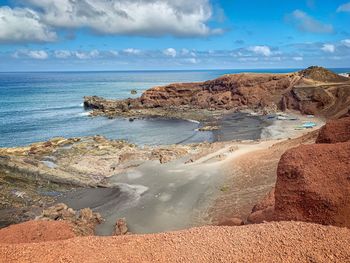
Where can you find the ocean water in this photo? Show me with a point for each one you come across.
(36, 106)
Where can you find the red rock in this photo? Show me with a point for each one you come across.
(335, 131)
(264, 210)
(313, 184)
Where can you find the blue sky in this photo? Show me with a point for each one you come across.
(166, 34)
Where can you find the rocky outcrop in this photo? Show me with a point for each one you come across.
(313, 181)
(121, 228)
(264, 210)
(335, 131)
(322, 75)
(312, 91)
(83, 221)
(313, 184)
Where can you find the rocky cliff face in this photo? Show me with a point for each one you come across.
(313, 181)
(227, 92)
(311, 91)
(335, 131)
(313, 184)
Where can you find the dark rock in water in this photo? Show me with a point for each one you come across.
(133, 91)
(131, 119)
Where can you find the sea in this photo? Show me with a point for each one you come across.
(37, 106)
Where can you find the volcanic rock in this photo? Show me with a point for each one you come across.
(264, 210)
(335, 131)
(121, 227)
(313, 184)
(84, 221)
(321, 74)
(312, 91)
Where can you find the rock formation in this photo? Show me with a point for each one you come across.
(121, 227)
(312, 91)
(83, 222)
(335, 131)
(313, 181)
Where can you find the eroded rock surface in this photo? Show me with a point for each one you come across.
(312, 91)
(83, 221)
(335, 131)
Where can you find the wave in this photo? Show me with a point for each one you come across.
(194, 121)
(86, 113)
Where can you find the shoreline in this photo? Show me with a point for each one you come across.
(197, 162)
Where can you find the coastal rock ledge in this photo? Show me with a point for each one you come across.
(312, 91)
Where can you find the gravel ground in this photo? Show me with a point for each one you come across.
(270, 242)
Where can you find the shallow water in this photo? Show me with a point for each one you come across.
(152, 198)
(38, 106)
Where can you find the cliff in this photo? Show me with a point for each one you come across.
(312, 91)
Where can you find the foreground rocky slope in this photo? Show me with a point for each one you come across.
(313, 181)
(272, 242)
(311, 91)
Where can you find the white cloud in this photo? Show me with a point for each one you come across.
(87, 54)
(34, 54)
(62, 53)
(192, 60)
(306, 23)
(261, 50)
(132, 51)
(346, 42)
(344, 8)
(170, 52)
(23, 25)
(328, 48)
(131, 17)
(298, 58)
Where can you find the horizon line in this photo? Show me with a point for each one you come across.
(161, 70)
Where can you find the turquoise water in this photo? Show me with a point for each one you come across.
(38, 106)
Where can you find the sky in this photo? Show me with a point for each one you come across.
(73, 35)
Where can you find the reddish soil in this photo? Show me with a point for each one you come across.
(313, 184)
(335, 131)
(272, 242)
(36, 231)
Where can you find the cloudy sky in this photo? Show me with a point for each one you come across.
(45, 35)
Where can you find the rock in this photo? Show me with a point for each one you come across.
(260, 216)
(232, 222)
(121, 227)
(264, 210)
(308, 91)
(335, 131)
(84, 221)
(133, 91)
(322, 75)
(266, 202)
(313, 184)
(209, 128)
